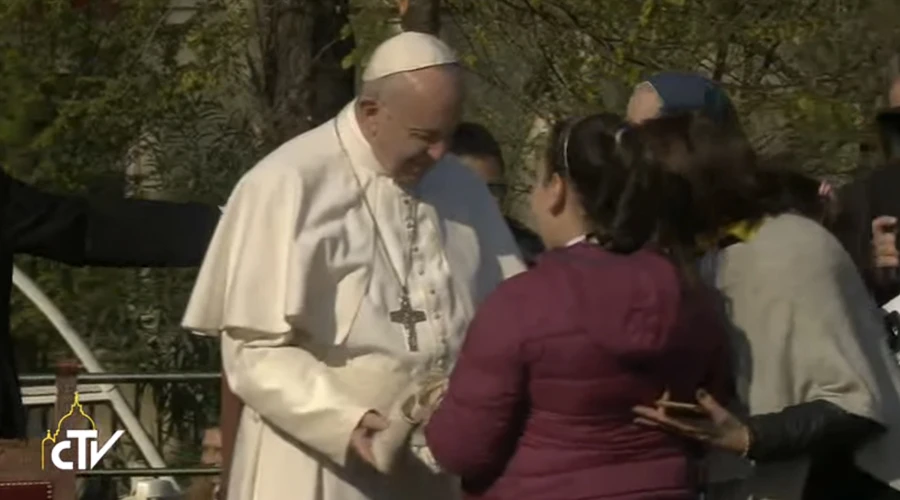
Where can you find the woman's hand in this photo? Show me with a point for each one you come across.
(706, 421)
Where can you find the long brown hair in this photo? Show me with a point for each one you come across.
(727, 181)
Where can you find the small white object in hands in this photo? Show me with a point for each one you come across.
(407, 417)
(421, 451)
(893, 305)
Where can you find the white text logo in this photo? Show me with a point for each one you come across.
(89, 451)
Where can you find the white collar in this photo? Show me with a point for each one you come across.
(355, 143)
(576, 240)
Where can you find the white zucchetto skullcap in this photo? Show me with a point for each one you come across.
(408, 51)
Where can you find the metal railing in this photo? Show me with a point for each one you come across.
(151, 472)
(123, 378)
(104, 388)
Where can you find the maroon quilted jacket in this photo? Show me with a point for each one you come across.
(539, 403)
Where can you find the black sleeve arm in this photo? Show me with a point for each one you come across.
(117, 232)
(884, 289)
(146, 233)
(852, 225)
(807, 428)
(42, 224)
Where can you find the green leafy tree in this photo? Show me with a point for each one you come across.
(88, 92)
(806, 75)
(154, 100)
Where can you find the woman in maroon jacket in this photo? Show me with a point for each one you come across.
(539, 403)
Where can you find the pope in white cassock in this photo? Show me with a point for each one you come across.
(357, 237)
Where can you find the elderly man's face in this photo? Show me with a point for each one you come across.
(413, 127)
(644, 105)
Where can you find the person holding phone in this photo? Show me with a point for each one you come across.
(818, 390)
(868, 210)
(866, 224)
(884, 227)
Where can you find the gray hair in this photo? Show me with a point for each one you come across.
(383, 88)
(386, 87)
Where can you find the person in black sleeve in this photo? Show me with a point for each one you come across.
(83, 231)
(869, 208)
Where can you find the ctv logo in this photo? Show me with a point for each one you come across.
(86, 440)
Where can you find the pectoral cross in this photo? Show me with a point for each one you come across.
(409, 318)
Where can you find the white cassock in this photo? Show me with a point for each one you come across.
(296, 259)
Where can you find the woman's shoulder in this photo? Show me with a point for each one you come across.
(604, 272)
(799, 239)
(585, 285)
(527, 285)
(518, 307)
(542, 283)
(791, 247)
(792, 225)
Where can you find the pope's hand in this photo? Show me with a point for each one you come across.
(361, 438)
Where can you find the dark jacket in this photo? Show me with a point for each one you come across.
(539, 403)
(81, 232)
(868, 196)
(888, 121)
(830, 436)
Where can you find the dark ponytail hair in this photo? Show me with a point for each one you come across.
(627, 196)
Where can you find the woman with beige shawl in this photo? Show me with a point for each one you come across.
(813, 370)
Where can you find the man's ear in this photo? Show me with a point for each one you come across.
(558, 192)
(368, 107)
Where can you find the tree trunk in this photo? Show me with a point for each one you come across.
(421, 15)
(299, 75)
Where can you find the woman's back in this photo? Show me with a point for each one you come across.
(593, 334)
